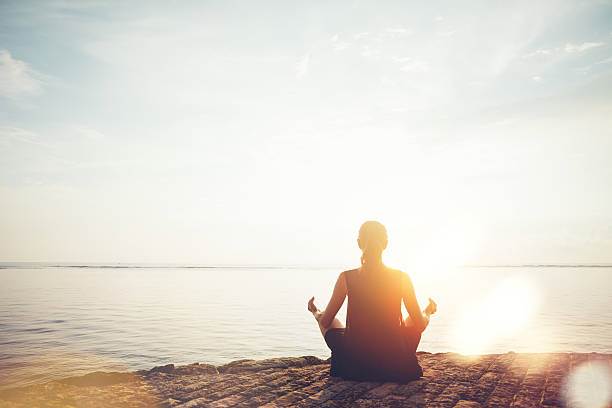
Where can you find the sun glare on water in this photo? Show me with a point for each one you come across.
(485, 317)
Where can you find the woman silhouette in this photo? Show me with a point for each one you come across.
(377, 344)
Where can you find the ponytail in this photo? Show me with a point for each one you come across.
(372, 253)
(373, 241)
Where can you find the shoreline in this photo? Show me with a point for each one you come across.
(450, 380)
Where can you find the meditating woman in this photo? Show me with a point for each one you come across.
(377, 344)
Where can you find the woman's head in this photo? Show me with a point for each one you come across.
(372, 241)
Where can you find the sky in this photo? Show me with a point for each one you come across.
(224, 132)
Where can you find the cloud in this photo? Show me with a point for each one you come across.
(88, 133)
(569, 48)
(338, 44)
(9, 134)
(17, 78)
(302, 67)
(370, 52)
(606, 61)
(538, 53)
(411, 64)
(582, 47)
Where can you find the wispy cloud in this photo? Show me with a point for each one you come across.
(582, 47)
(338, 44)
(10, 134)
(302, 66)
(412, 64)
(17, 78)
(605, 61)
(369, 52)
(540, 52)
(397, 31)
(88, 133)
(569, 48)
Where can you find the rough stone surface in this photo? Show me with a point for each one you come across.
(450, 380)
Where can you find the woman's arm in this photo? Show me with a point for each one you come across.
(326, 316)
(420, 319)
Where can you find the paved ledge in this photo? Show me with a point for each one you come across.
(450, 380)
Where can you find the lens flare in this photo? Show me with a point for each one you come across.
(589, 386)
(503, 311)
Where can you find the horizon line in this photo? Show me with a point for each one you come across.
(152, 265)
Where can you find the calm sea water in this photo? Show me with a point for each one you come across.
(64, 321)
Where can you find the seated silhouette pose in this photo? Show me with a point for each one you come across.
(377, 344)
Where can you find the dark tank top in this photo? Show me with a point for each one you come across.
(375, 342)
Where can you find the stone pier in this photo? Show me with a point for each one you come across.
(450, 380)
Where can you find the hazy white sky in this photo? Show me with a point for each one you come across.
(266, 132)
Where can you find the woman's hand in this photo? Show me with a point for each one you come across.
(431, 308)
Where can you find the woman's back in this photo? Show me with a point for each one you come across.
(375, 337)
(374, 302)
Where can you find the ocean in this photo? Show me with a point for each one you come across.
(65, 320)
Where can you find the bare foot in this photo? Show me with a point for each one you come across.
(311, 306)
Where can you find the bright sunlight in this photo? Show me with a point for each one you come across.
(500, 313)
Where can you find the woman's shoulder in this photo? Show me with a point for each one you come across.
(398, 272)
(347, 273)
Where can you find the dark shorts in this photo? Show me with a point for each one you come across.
(345, 361)
(334, 338)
